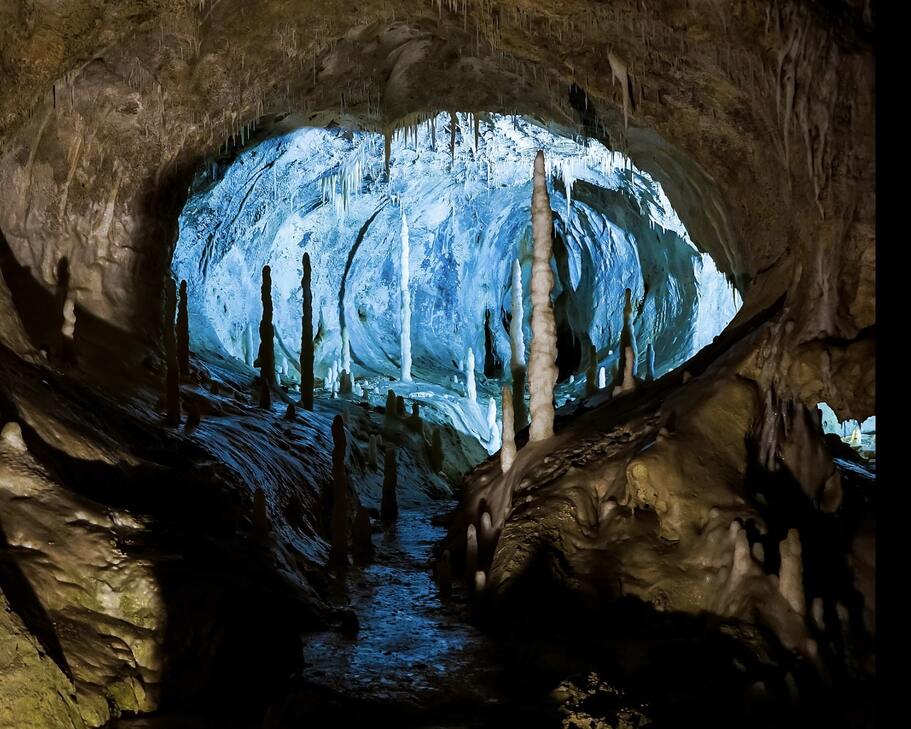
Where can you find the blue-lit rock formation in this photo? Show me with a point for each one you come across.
(468, 210)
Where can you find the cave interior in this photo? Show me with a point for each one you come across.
(452, 363)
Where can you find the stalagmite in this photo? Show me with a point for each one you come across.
(649, 362)
(493, 427)
(266, 345)
(591, 378)
(346, 351)
(371, 450)
(602, 378)
(542, 365)
(389, 509)
(628, 352)
(172, 375)
(436, 451)
(68, 329)
(471, 551)
(183, 331)
(339, 550)
(390, 403)
(486, 539)
(517, 349)
(480, 580)
(345, 386)
(400, 406)
(405, 305)
(414, 421)
(469, 377)
(306, 359)
(362, 541)
(855, 439)
(508, 447)
(250, 357)
(790, 575)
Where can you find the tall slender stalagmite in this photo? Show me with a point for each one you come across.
(307, 338)
(508, 449)
(405, 304)
(172, 376)
(183, 331)
(517, 347)
(542, 365)
(649, 362)
(266, 345)
(389, 508)
(470, 386)
(628, 353)
(339, 551)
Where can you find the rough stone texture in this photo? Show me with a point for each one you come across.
(757, 120)
(98, 175)
(36, 693)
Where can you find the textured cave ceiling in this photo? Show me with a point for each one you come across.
(465, 198)
(127, 130)
(755, 120)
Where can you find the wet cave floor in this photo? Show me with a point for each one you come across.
(415, 652)
(418, 659)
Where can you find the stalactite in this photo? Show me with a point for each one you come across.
(183, 331)
(172, 376)
(339, 552)
(508, 447)
(266, 345)
(389, 509)
(517, 349)
(542, 365)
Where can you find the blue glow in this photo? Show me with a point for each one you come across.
(326, 192)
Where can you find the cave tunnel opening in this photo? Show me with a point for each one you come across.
(458, 186)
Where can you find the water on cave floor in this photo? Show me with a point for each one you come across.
(413, 647)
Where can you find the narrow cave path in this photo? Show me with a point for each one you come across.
(416, 652)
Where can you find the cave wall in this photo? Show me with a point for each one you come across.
(756, 121)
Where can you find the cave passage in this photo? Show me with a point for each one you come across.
(458, 187)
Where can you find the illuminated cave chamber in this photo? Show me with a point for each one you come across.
(461, 184)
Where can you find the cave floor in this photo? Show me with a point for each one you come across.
(414, 648)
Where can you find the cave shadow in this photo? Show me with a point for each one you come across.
(232, 622)
(682, 669)
(25, 603)
(98, 348)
